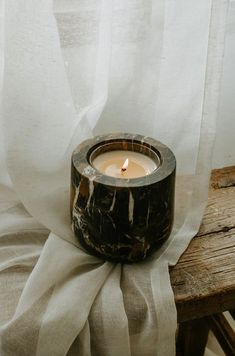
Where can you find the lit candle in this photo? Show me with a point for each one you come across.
(122, 195)
(124, 164)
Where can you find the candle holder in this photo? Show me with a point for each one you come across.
(118, 219)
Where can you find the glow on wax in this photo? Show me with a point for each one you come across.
(124, 164)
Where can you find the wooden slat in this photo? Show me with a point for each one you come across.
(223, 333)
(203, 280)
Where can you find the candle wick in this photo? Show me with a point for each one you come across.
(125, 165)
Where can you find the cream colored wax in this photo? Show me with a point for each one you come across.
(111, 164)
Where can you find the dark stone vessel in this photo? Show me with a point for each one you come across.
(122, 220)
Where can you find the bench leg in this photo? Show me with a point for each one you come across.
(192, 338)
(223, 333)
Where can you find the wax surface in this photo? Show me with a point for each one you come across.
(110, 163)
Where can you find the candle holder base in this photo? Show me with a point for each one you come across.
(129, 252)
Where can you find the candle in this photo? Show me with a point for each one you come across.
(122, 195)
(124, 164)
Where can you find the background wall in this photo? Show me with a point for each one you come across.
(224, 151)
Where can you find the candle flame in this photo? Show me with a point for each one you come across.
(125, 165)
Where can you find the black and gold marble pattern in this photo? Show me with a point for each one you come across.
(122, 220)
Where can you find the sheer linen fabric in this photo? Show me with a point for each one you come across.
(71, 69)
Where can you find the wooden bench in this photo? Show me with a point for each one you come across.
(203, 280)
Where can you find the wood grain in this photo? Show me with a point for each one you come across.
(203, 280)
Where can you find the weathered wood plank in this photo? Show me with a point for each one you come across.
(220, 211)
(223, 178)
(203, 280)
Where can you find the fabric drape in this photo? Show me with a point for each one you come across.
(69, 70)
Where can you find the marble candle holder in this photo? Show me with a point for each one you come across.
(122, 220)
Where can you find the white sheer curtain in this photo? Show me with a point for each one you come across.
(71, 69)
